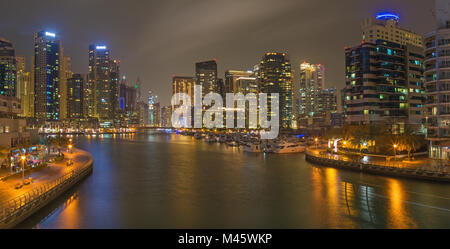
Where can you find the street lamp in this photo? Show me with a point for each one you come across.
(316, 140)
(23, 166)
(70, 154)
(395, 152)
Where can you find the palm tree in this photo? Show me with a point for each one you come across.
(4, 154)
(60, 142)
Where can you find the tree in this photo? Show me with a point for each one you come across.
(5, 154)
(59, 142)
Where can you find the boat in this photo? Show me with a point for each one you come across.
(198, 136)
(287, 147)
(253, 148)
(233, 144)
(210, 139)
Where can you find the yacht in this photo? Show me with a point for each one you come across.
(287, 147)
(253, 148)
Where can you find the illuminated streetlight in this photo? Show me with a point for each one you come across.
(23, 166)
(70, 154)
(316, 140)
(395, 151)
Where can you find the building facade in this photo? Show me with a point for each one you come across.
(8, 70)
(307, 92)
(75, 97)
(102, 92)
(206, 76)
(437, 82)
(275, 76)
(384, 84)
(47, 68)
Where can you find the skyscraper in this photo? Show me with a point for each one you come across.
(24, 87)
(437, 82)
(275, 76)
(47, 48)
(206, 74)
(75, 97)
(384, 84)
(8, 71)
(384, 26)
(238, 80)
(103, 79)
(182, 84)
(153, 109)
(307, 93)
(66, 73)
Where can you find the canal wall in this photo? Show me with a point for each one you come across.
(14, 211)
(378, 169)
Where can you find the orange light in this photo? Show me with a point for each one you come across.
(395, 146)
(23, 158)
(70, 146)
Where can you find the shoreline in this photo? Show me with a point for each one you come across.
(390, 171)
(16, 210)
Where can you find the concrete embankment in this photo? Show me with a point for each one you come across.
(47, 186)
(378, 169)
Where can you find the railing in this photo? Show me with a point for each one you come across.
(439, 168)
(12, 207)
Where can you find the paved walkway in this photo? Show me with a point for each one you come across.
(420, 162)
(42, 176)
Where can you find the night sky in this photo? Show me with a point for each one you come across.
(158, 38)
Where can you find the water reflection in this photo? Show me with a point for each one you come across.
(173, 181)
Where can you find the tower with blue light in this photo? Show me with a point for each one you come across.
(385, 26)
(47, 57)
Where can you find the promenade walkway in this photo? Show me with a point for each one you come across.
(420, 163)
(43, 176)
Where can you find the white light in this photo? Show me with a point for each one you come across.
(50, 34)
(100, 47)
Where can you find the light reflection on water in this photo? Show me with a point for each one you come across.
(172, 181)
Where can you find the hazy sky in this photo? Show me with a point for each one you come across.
(158, 38)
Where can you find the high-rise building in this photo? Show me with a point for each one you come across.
(239, 81)
(181, 84)
(47, 67)
(384, 84)
(384, 26)
(8, 71)
(75, 97)
(24, 87)
(103, 79)
(437, 82)
(307, 93)
(275, 76)
(166, 117)
(153, 109)
(206, 74)
(66, 73)
(115, 85)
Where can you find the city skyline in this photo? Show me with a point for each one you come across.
(165, 53)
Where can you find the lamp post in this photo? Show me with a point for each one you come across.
(23, 166)
(395, 153)
(316, 140)
(70, 154)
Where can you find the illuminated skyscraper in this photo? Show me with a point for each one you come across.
(75, 96)
(384, 26)
(307, 93)
(384, 84)
(103, 82)
(66, 73)
(47, 67)
(8, 71)
(24, 88)
(153, 109)
(206, 74)
(437, 82)
(275, 76)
